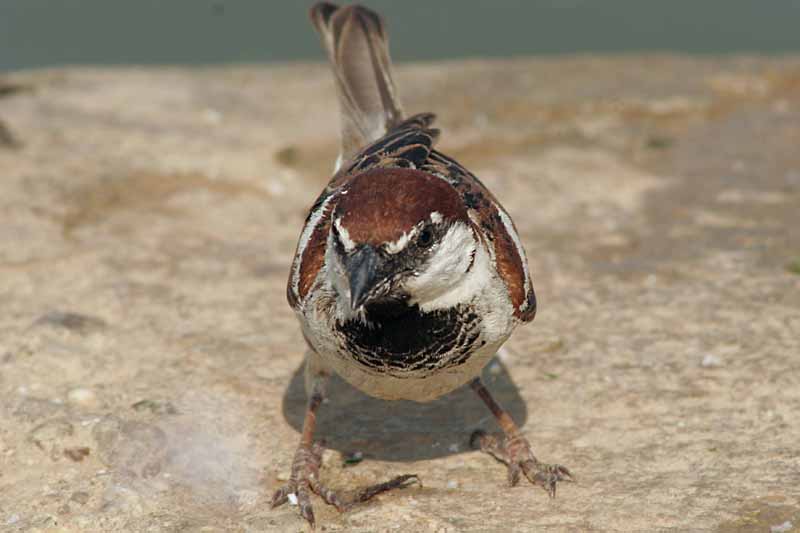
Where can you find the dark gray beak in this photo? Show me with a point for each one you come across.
(364, 272)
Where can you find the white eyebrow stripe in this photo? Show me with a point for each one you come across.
(344, 235)
(401, 243)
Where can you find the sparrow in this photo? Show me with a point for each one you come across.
(408, 275)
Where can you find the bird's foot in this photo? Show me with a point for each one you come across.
(305, 480)
(516, 453)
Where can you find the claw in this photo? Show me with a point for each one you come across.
(516, 454)
(368, 492)
(548, 477)
(305, 480)
(513, 474)
(280, 497)
(306, 511)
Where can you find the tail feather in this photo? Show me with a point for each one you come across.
(357, 45)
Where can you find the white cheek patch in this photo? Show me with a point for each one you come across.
(452, 256)
(436, 217)
(344, 236)
(447, 268)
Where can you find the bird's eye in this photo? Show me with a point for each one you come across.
(425, 238)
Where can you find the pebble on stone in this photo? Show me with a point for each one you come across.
(157, 407)
(80, 497)
(77, 454)
(710, 361)
(82, 397)
(781, 528)
(71, 321)
(353, 458)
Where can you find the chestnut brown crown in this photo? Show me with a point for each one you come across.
(381, 205)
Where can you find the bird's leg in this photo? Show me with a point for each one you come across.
(305, 469)
(514, 450)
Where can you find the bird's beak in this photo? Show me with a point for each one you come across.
(364, 273)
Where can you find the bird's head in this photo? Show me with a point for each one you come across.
(398, 235)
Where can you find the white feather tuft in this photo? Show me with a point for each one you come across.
(344, 235)
(400, 244)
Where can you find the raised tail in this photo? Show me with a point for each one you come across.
(358, 47)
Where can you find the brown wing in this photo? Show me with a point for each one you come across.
(310, 253)
(407, 145)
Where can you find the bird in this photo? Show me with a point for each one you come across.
(408, 274)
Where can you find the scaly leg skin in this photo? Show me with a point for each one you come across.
(305, 471)
(515, 450)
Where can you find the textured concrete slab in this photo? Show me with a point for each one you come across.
(149, 363)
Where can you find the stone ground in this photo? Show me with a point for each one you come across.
(149, 364)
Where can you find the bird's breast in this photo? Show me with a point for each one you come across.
(398, 338)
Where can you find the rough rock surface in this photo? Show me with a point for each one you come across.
(149, 363)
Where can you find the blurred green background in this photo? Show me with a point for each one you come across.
(36, 33)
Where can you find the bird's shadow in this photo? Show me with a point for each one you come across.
(350, 421)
